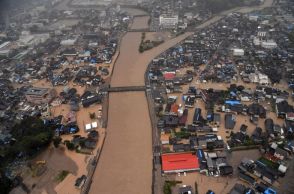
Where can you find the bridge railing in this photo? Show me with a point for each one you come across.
(126, 89)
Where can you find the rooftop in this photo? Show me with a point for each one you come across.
(179, 162)
(37, 91)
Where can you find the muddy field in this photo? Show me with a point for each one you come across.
(158, 36)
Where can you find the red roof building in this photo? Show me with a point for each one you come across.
(290, 116)
(174, 108)
(169, 76)
(179, 162)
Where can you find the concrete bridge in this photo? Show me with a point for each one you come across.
(141, 15)
(126, 89)
(140, 30)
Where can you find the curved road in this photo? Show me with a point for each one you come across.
(125, 165)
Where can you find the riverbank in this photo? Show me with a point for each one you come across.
(127, 153)
(129, 130)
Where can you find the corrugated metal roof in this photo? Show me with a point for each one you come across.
(176, 162)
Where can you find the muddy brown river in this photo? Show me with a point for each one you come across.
(125, 165)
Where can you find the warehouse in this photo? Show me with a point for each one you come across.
(182, 162)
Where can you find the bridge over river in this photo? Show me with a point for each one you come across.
(126, 89)
(126, 164)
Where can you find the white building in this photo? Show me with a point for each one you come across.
(68, 42)
(253, 77)
(238, 52)
(259, 78)
(270, 44)
(253, 17)
(263, 79)
(168, 20)
(4, 49)
(30, 25)
(261, 34)
(183, 25)
(245, 99)
(5, 53)
(5, 44)
(189, 15)
(27, 39)
(235, 30)
(256, 41)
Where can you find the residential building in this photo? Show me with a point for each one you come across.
(164, 138)
(238, 52)
(168, 20)
(230, 121)
(185, 190)
(40, 96)
(290, 116)
(68, 42)
(270, 44)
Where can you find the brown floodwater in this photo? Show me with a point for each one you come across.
(134, 11)
(125, 165)
(140, 22)
(130, 66)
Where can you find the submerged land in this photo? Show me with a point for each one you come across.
(97, 87)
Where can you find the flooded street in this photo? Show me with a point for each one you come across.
(126, 158)
(119, 158)
(130, 67)
(125, 165)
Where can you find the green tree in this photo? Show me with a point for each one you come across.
(92, 115)
(5, 184)
(168, 185)
(210, 147)
(70, 145)
(61, 175)
(82, 143)
(57, 141)
(141, 48)
(167, 188)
